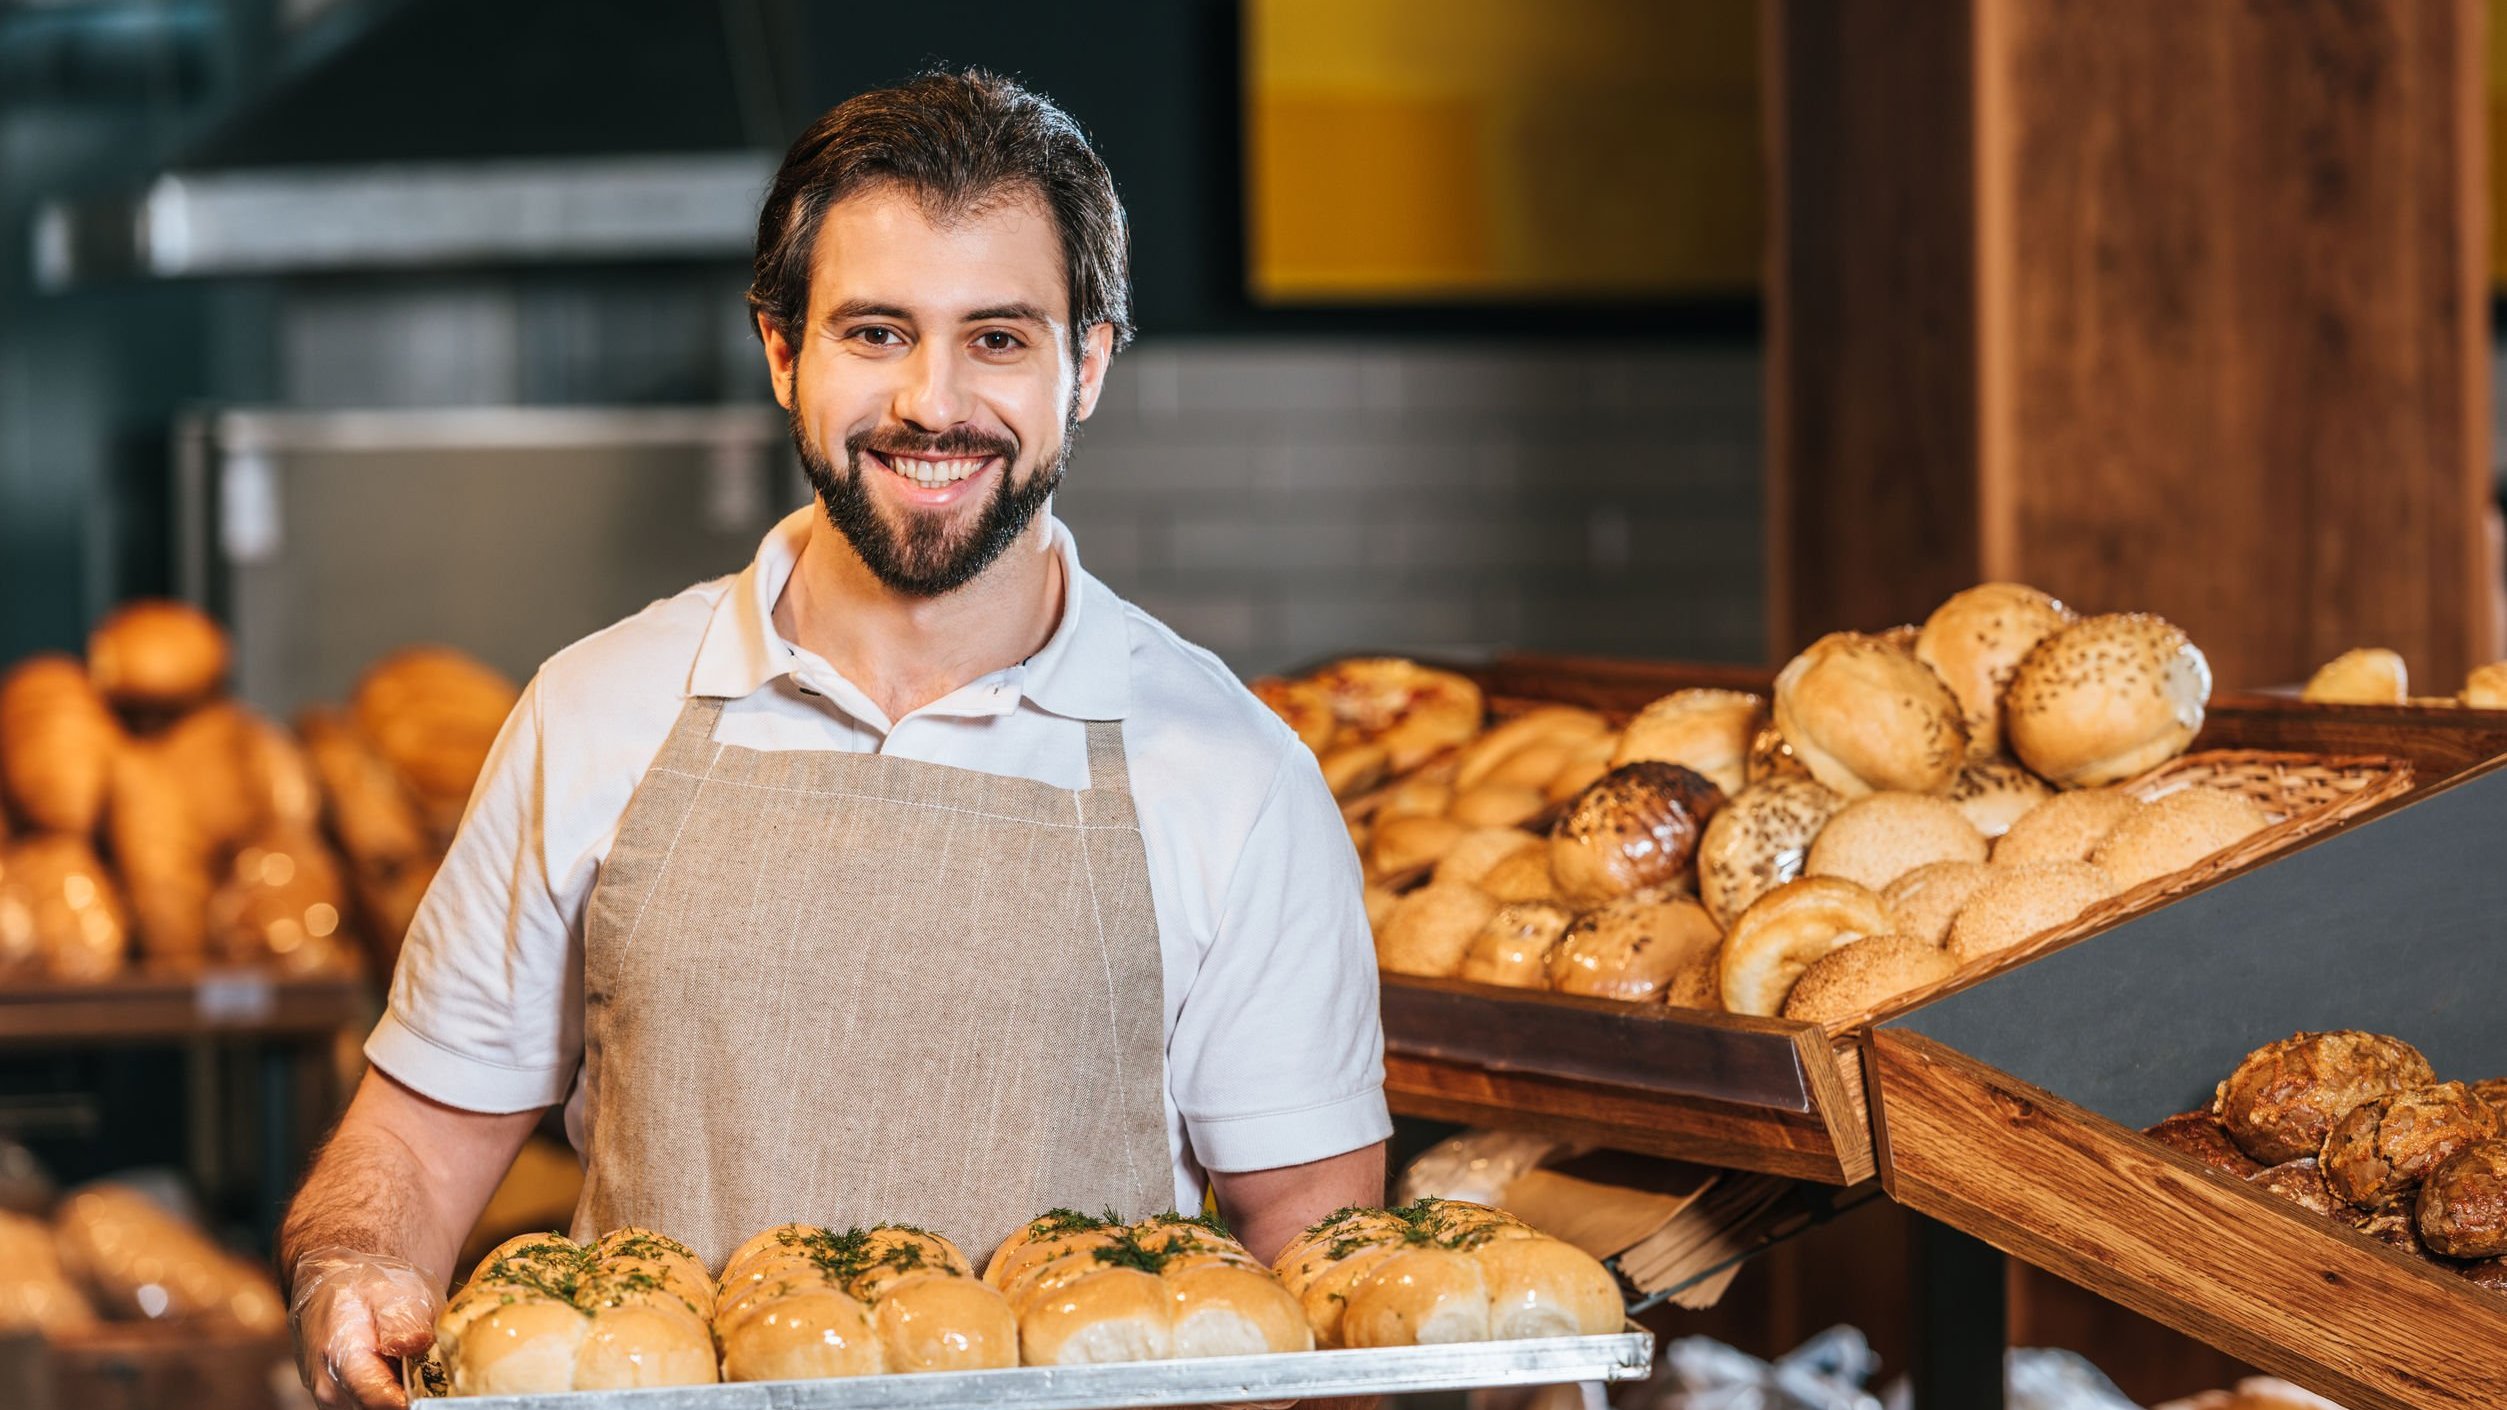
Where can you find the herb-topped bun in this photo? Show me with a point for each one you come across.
(802, 1302)
(1088, 1289)
(542, 1313)
(1442, 1270)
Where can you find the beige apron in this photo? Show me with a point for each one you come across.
(843, 988)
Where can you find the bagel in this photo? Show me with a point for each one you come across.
(1522, 876)
(1493, 804)
(1479, 851)
(1864, 715)
(1788, 929)
(1405, 844)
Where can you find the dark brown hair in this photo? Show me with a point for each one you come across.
(960, 141)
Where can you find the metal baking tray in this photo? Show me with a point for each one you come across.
(1625, 1355)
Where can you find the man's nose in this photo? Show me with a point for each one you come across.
(933, 394)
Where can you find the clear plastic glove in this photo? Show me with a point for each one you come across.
(354, 1315)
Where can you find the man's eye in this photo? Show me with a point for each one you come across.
(997, 341)
(877, 337)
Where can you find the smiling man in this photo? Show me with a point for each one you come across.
(909, 873)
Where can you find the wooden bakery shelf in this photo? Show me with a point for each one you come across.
(2011, 1110)
(149, 1007)
(1762, 1094)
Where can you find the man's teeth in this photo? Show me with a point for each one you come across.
(931, 474)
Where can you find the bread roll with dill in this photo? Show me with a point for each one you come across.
(542, 1313)
(1439, 1271)
(799, 1301)
(1088, 1290)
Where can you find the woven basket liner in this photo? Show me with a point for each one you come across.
(2303, 795)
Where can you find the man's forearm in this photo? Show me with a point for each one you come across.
(1268, 1208)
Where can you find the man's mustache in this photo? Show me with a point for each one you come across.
(956, 443)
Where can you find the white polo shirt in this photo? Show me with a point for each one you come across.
(1274, 1052)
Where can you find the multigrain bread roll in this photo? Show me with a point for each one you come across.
(1995, 793)
(1432, 928)
(1863, 976)
(1880, 837)
(1788, 929)
(2197, 1134)
(2486, 687)
(1543, 726)
(2174, 833)
(2283, 1098)
(1087, 1290)
(60, 912)
(1759, 841)
(1708, 731)
(1928, 898)
(1513, 949)
(2376, 1156)
(157, 655)
(1478, 852)
(1975, 641)
(802, 1302)
(2368, 675)
(542, 1314)
(1441, 1271)
(2463, 1203)
(2065, 828)
(2022, 902)
(2106, 698)
(1631, 949)
(1864, 715)
(57, 745)
(1634, 830)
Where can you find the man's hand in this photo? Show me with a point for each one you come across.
(354, 1314)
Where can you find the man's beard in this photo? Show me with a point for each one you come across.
(927, 555)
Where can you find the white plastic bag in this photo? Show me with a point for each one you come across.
(1825, 1373)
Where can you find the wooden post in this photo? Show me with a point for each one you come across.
(2163, 306)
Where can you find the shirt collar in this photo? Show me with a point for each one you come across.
(1083, 671)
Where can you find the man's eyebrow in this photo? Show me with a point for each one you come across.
(1010, 313)
(864, 308)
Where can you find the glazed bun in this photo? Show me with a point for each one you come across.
(157, 655)
(2369, 675)
(2283, 1098)
(1864, 976)
(1431, 928)
(1631, 949)
(1513, 949)
(1634, 830)
(2174, 833)
(1787, 930)
(2022, 902)
(1995, 793)
(2106, 698)
(1864, 715)
(2486, 687)
(1926, 899)
(1880, 837)
(2065, 828)
(1409, 711)
(1759, 841)
(1437, 1271)
(1975, 641)
(1708, 731)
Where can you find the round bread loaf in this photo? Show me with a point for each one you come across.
(1975, 641)
(2197, 1134)
(2105, 699)
(2022, 902)
(2463, 1203)
(2283, 1098)
(2368, 675)
(1995, 793)
(1880, 837)
(2381, 1149)
(2301, 1182)
(61, 914)
(157, 655)
(1472, 857)
(1636, 829)
(1785, 931)
(1513, 949)
(1864, 715)
(543, 1314)
(1759, 841)
(1631, 949)
(1088, 1290)
(57, 745)
(1437, 1271)
(2065, 828)
(1495, 804)
(1926, 899)
(1405, 844)
(1431, 928)
(1863, 976)
(1539, 726)
(1708, 731)
(2174, 833)
(2486, 687)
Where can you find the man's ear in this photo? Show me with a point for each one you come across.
(1096, 354)
(780, 357)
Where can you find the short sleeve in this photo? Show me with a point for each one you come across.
(1277, 1057)
(485, 1013)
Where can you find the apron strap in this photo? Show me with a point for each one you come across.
(691, 749)
(1108, 801)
